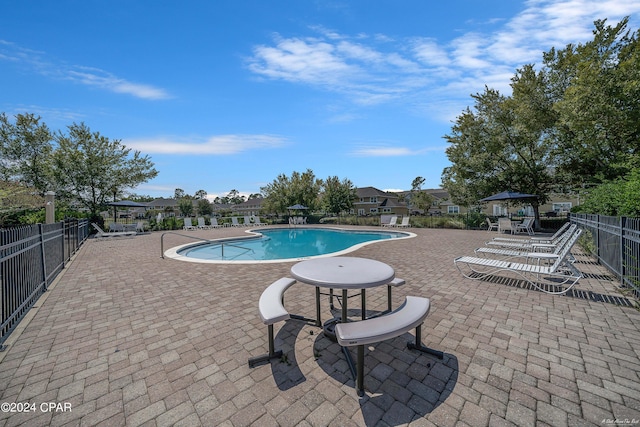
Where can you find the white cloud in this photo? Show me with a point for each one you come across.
(103, 80)
(374, 69)
(40, 63)
(382, 151)
(391, 151)
(214, 145)
(429, 53)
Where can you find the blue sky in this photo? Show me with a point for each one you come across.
(228, 94)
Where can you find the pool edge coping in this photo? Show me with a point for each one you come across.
(172, 253)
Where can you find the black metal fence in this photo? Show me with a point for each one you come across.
(30, 258)
(617, 245)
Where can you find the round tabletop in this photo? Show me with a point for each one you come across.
(343, 272)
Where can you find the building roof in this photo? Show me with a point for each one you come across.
(372, 192)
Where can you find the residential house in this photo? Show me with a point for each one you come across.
(559, 204)
(171, 207)
(372, 201)
(248, 208)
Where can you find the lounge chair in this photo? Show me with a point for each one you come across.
(256, 221)
(536, 249)
(392, 222)
(214, 223)
(247, 221)
(140, 227)
(101, 233)
(492, 225)
(539, 239)
(202, 225)
(404, 223)
(533, 244)
(561, 272)
(234, 221)
(188, 225)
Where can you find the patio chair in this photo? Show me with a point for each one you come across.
(492, 225)
(140, 227)
(116, 227)
(392, 222)
(247, 221)
(234, 221)
(202, 225)
(214, 223)
(526, 225)
(101, 233)
(504, 224)
(561, 272)
(188, 225)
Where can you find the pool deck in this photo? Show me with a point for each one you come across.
(124, 337)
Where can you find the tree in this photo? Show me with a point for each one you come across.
(596, 89)
(200, 194)
(301, 188)
(89, 167)
(337, 196)
(234, 197)
(620, 197)
(419, 199)
(15, 197)
(186, 206)
(204, 207)
(25, 151)
(504, 144)
(178, 193)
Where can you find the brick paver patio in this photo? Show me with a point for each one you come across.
(128, 338)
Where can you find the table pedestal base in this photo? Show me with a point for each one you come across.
(329, 328)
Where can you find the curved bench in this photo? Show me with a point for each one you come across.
(271, 306)
(409, 315)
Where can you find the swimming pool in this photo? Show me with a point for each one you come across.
(281, 245)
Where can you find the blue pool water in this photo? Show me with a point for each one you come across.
(285, 244)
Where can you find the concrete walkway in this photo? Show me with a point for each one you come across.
(127, 338)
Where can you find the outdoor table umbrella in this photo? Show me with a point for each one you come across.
(125, 204)
(508, 195)
(297, 207)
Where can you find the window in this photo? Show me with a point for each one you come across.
(562, 206)
(386, 210)
(499, 210)
(373, 210)
(361, 212)
(453, 209)
(373, 199)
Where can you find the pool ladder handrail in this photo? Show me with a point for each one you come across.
(222, 244)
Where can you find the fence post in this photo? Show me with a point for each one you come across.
(623, 223)
(50, 207)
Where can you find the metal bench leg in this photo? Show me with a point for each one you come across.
(360, 373)
(389, 298)
(266, 357)
(318, 320)
(418, 345)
